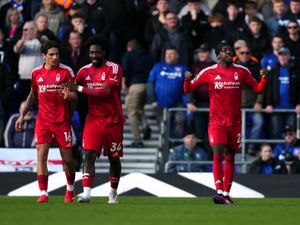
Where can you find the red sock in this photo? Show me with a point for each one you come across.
(87, 180)
(228, 172)
(43, 182)
(218, 171)
(70, 178)
(114, 182)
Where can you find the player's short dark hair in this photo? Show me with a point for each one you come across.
(47, 44)
(219, 47)
(99, 40)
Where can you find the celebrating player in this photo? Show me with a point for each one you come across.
(53, 119)
(101, 81)
(225, 81)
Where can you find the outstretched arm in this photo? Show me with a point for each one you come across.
(28, 106)
(101, 92)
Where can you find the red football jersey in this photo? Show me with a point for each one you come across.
(105, 108)
(46, 83)
(225, 91)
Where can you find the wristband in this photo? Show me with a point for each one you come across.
(79, 88)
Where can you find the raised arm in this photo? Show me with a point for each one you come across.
(263, 82)
(187, 87)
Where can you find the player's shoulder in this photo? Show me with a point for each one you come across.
(240, 67)
(37, 69)
(209, 68)
(115, 67)
(67, 68)
(85, 68)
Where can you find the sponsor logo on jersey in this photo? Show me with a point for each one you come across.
(226, 85)
(171, 75)
(40, 79)
(236, 76)
(57, 77)
(218, 77)
(88, 78)
(49, 88)
(219, 85)
(94, 85)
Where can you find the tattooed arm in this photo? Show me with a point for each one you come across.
(28, 106)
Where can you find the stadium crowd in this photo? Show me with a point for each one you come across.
(168, 37)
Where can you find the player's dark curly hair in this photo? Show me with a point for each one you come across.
(99, 40)
(46, 45)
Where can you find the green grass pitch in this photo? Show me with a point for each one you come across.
(149, 210)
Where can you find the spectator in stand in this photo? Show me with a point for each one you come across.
(184, 10)
(195, 23)
(283, 92)
(6, 95)
(74, 8)
(78, 24)
(292, 14)
(22, 6)
(288, 151)
(165, 88)
(95, 16)
(56, 16)
(257, 38)
(270, 60)
(190, 152)
(292, 40)
(266, 8)
(43, 33)
(23, 138)
(294, 168)
(266, 163)
(171, 35)
(29, 48)
(136, 64)
(12, 32)
(217, 32)
(255, 120)
(156, 21)
(75, 55)
(251, 10)
(13, 25)
(200, 98)
(121, 18)
(234, 21)
(279, 10)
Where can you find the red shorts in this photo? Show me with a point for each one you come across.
(110, 138)
(46, 132)
(230, 137)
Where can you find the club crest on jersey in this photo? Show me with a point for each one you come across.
(236, 76)
(57, 77)
(103, 75)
